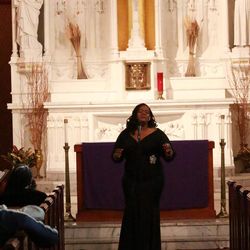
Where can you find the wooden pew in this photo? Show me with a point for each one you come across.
(17, 242)
(58, 192)
(243, 219)
(239, 216)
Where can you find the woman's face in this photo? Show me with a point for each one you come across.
(143, 114)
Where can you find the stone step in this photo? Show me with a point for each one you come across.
(180, 234)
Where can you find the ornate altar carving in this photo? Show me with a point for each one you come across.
(137, 75)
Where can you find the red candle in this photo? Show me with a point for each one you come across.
(160, 81)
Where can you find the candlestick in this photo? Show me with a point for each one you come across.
(222, 127)
(67, 216)
(223, 211)
(66, 130)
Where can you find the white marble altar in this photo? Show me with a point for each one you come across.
(97, 107)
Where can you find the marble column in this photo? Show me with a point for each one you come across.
(114, 29)
(46, 28)
(180, 22)
(241, 28)
(14, 28)
(158, 28)
(224, 26)
(241, 23)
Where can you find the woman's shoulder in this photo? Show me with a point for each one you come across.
(160, 132)
(124, 132)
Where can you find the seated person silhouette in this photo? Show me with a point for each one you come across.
(21, 189)
(29, 219)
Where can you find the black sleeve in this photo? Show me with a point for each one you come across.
(164, 139)
(119, 144)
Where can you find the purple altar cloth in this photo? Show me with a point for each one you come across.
(186, 177)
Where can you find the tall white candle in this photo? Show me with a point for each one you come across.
(222, 129)
(66, 130)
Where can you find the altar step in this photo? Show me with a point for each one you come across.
(176, 235)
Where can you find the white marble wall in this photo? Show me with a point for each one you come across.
(97, 107)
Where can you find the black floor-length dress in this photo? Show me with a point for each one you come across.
(142, 186)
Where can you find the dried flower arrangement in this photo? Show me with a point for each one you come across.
(239, 79)
(36, 114)
(74, 34)
(192, 31)
(20, 156)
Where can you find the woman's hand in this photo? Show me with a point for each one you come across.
(168, 151)
(118, 153)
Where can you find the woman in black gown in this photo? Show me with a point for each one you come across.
(141, 144)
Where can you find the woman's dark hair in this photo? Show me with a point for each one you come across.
(20, 179)
(132, 121)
